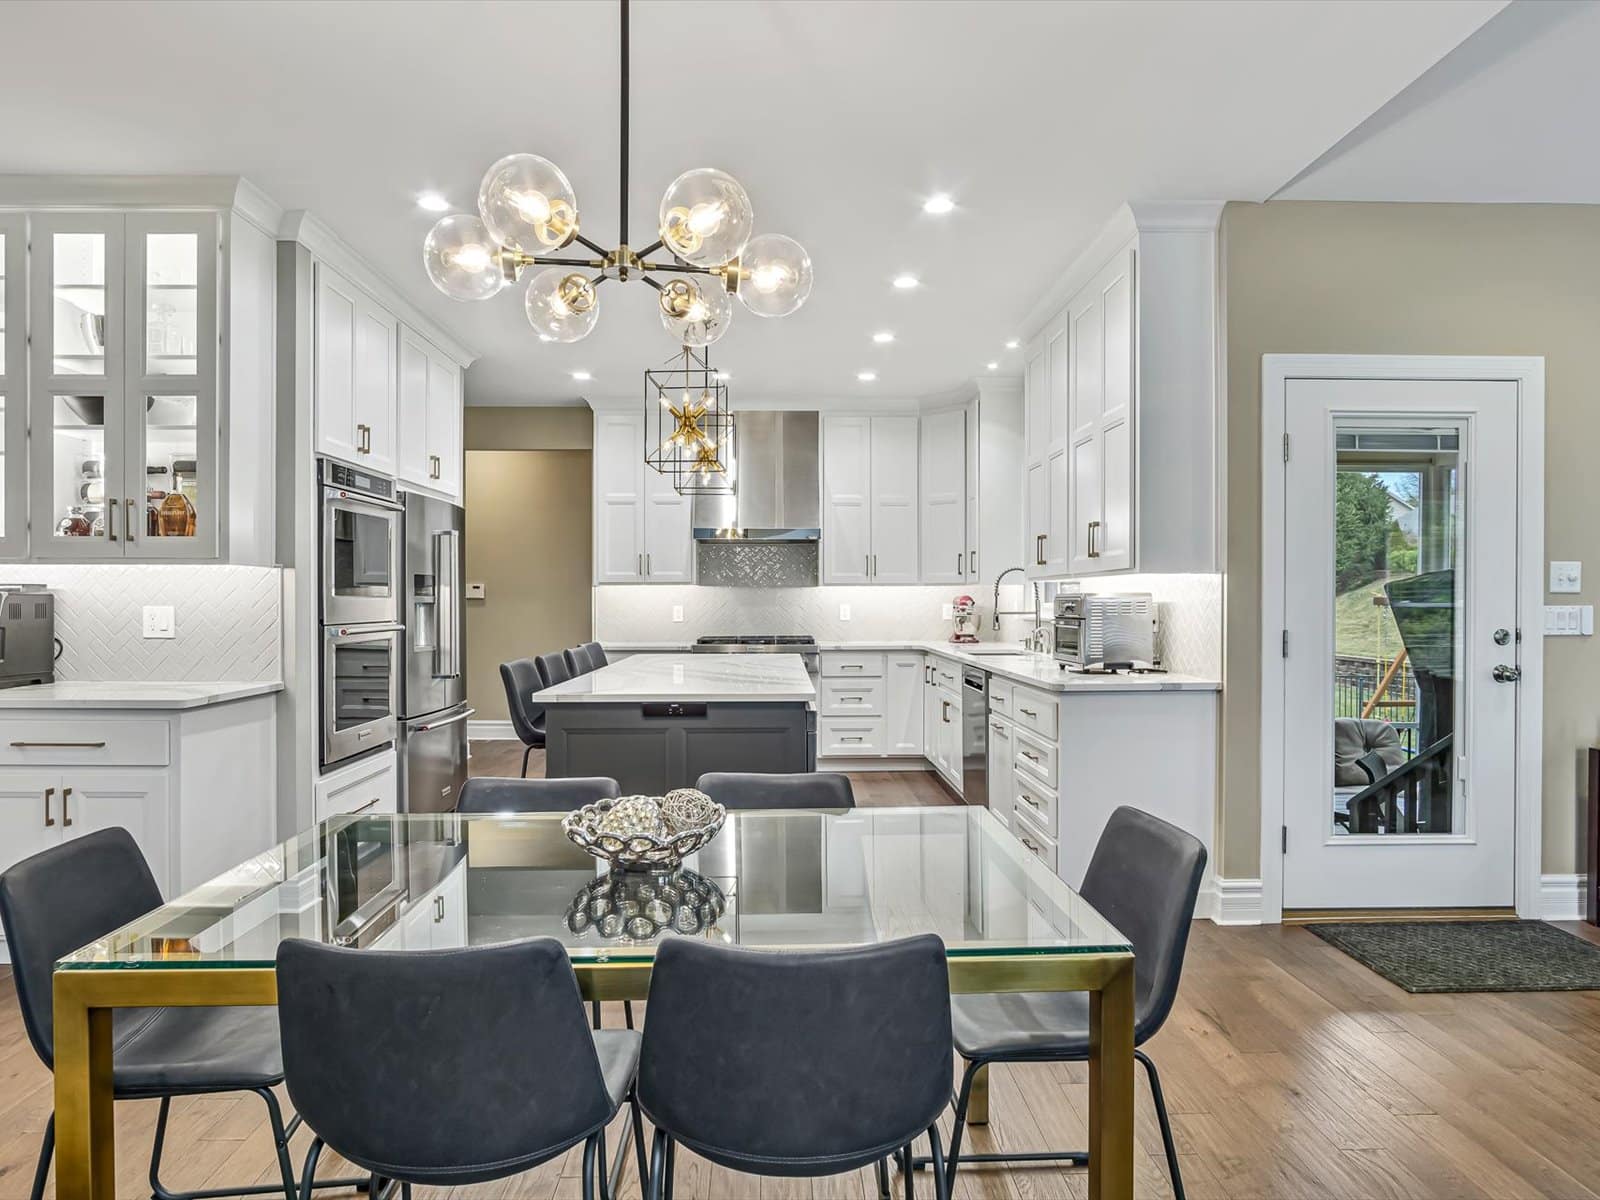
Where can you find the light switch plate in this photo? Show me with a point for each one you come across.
(1569, 620)
(159, 621)
(1566, 577)
(844, 612)
(677, 612)
(475, 591)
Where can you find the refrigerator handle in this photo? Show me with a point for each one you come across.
(429, 726)
(447, 604)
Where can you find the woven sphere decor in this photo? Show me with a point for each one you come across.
(634, 907)
(646, 833)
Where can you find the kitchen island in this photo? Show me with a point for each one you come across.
(659, 721)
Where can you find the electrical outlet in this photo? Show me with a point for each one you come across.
(476, 591)
(844, 612)
(677, 612)
(1566, 577)
(947, 612)
(159, 621)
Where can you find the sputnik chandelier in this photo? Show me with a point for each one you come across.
(694, 439)
(527, 212)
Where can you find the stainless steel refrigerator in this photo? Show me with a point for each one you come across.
(433, 709)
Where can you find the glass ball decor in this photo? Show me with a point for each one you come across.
(696, 312)
(561, 304)
(459, 256)
(528, 204)
(776, 275)
(706, 217)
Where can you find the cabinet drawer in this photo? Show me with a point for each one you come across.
(1036, 757)
(368, 786)
(851, 698)
(1034, 711)
(847, 664)
(1000, 696)
(1036, 802)
(842, 737)
(32, 741)
(1037, 843)
(946, 674)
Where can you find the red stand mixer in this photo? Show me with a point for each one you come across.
(964, 612)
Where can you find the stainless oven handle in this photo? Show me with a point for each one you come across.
(340, 498)
(349, 633)
(432, 725)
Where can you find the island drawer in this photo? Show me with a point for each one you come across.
(851, 697)
(1034, 840)
(1001, 702)
(1036, 757)
(37, 742)
(849, 664)
(845, 737)
(1035, 801)
(1034, 711)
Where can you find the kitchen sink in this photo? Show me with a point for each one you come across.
(996, 652)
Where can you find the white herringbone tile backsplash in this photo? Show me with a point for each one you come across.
(228, 620)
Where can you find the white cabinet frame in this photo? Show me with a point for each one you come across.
(14, 386)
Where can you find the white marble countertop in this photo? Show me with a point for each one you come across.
(1022, 666)
(132, 694)
(771, 678)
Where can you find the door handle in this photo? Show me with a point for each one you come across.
(127, 519)
(1504, 674)
(648, 570)
(48, 792)
(66, 794)
(111, 521)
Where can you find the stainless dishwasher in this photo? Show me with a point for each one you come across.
(975, 736)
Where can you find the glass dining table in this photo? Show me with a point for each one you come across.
(770, 880)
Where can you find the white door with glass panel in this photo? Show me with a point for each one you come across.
(1402, 643)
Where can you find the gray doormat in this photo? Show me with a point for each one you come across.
(1469, 956)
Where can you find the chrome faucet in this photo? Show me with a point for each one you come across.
(1018, 612)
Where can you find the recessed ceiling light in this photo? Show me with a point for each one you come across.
(905, 282)
(883, 337)
(582, 376)
(432, 202)
(866, 376)
(938, 204)
(1012, 344)
(994, 366)
(545, 337)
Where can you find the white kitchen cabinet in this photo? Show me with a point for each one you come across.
(355, 369)
(429, 438)
(942, 719)
(1047, 504)
(870, 499)
(13, 385)
(1100, 409)
(1002, 796)
(943, 487)
(436, 920)
(368, 786)
(903, 704)
(30, 812)
(642, 528)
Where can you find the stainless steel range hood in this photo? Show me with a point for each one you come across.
(777, 492)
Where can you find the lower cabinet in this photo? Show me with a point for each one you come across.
(1002, 796)
(436, 920)
(903, 688)
(370, 785)
(869, 705)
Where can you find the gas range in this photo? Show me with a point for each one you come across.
(763, 643)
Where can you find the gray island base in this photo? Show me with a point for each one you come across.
(657, 722)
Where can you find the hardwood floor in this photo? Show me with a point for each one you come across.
(1291, 1071)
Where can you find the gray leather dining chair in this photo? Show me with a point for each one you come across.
(597, 655)
(65, 897)
(806, 789)
(552, 669)
(493, 794)
(814, 1063)
(521, 680)
(578, 661)
(419, 1067)
(1144, 877)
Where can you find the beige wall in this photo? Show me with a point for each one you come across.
(495, 428)
(528, 518)
(1306, 278)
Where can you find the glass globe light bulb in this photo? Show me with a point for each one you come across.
(706, 217)
(459, 256)
(561, 304)
(776, 274)
(528, 204)
(696, 313)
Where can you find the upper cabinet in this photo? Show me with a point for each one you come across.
(870, 499)
(13, 385)
(641, 524)
(945, 557)
(355, 373)
(123, 417)
(1120, 403)
(430, 417)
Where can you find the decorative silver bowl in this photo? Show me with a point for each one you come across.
(623, 906)
(646, 833)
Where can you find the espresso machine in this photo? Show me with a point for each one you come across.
(27, 634)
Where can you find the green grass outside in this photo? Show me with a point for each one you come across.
(1363, 629)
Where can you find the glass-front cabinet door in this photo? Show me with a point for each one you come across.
(124, 407)
(13, 386)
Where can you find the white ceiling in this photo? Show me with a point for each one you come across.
(838, 117)
(1508, 117)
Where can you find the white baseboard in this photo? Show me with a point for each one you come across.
(862, 765)
(1561, 897)
(1230, 901)
(497, 731)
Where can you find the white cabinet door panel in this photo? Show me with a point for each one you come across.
(668, 540)
(445, 417)
(904, 704)
(30, 814)
(847, 489)
(1036, 402)
(1113, 543)
(335, 365)
(943, 486)
(894, 500)
(618, 497)
(376, 332)
(1058, 368)
(134, 800)
(1088, 366)
(1060, 476)
(412, 450)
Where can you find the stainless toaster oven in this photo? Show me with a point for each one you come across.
(1105, 632)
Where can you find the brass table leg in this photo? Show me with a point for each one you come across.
(978, 1098)
(1111, 1087)
(85, 1134)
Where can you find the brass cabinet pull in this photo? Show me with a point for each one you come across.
(998, 728)
(648, 570)
(972, 562)
(1027, 712)
(127, 519)
(1023, 838)
(1038, 549)
(1094, 529)
(66, 794)
(960, 558)
(58, 745)
(111, 525)
(874, 566)
(1031, 802)
(1030, 757)
(48, 819)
